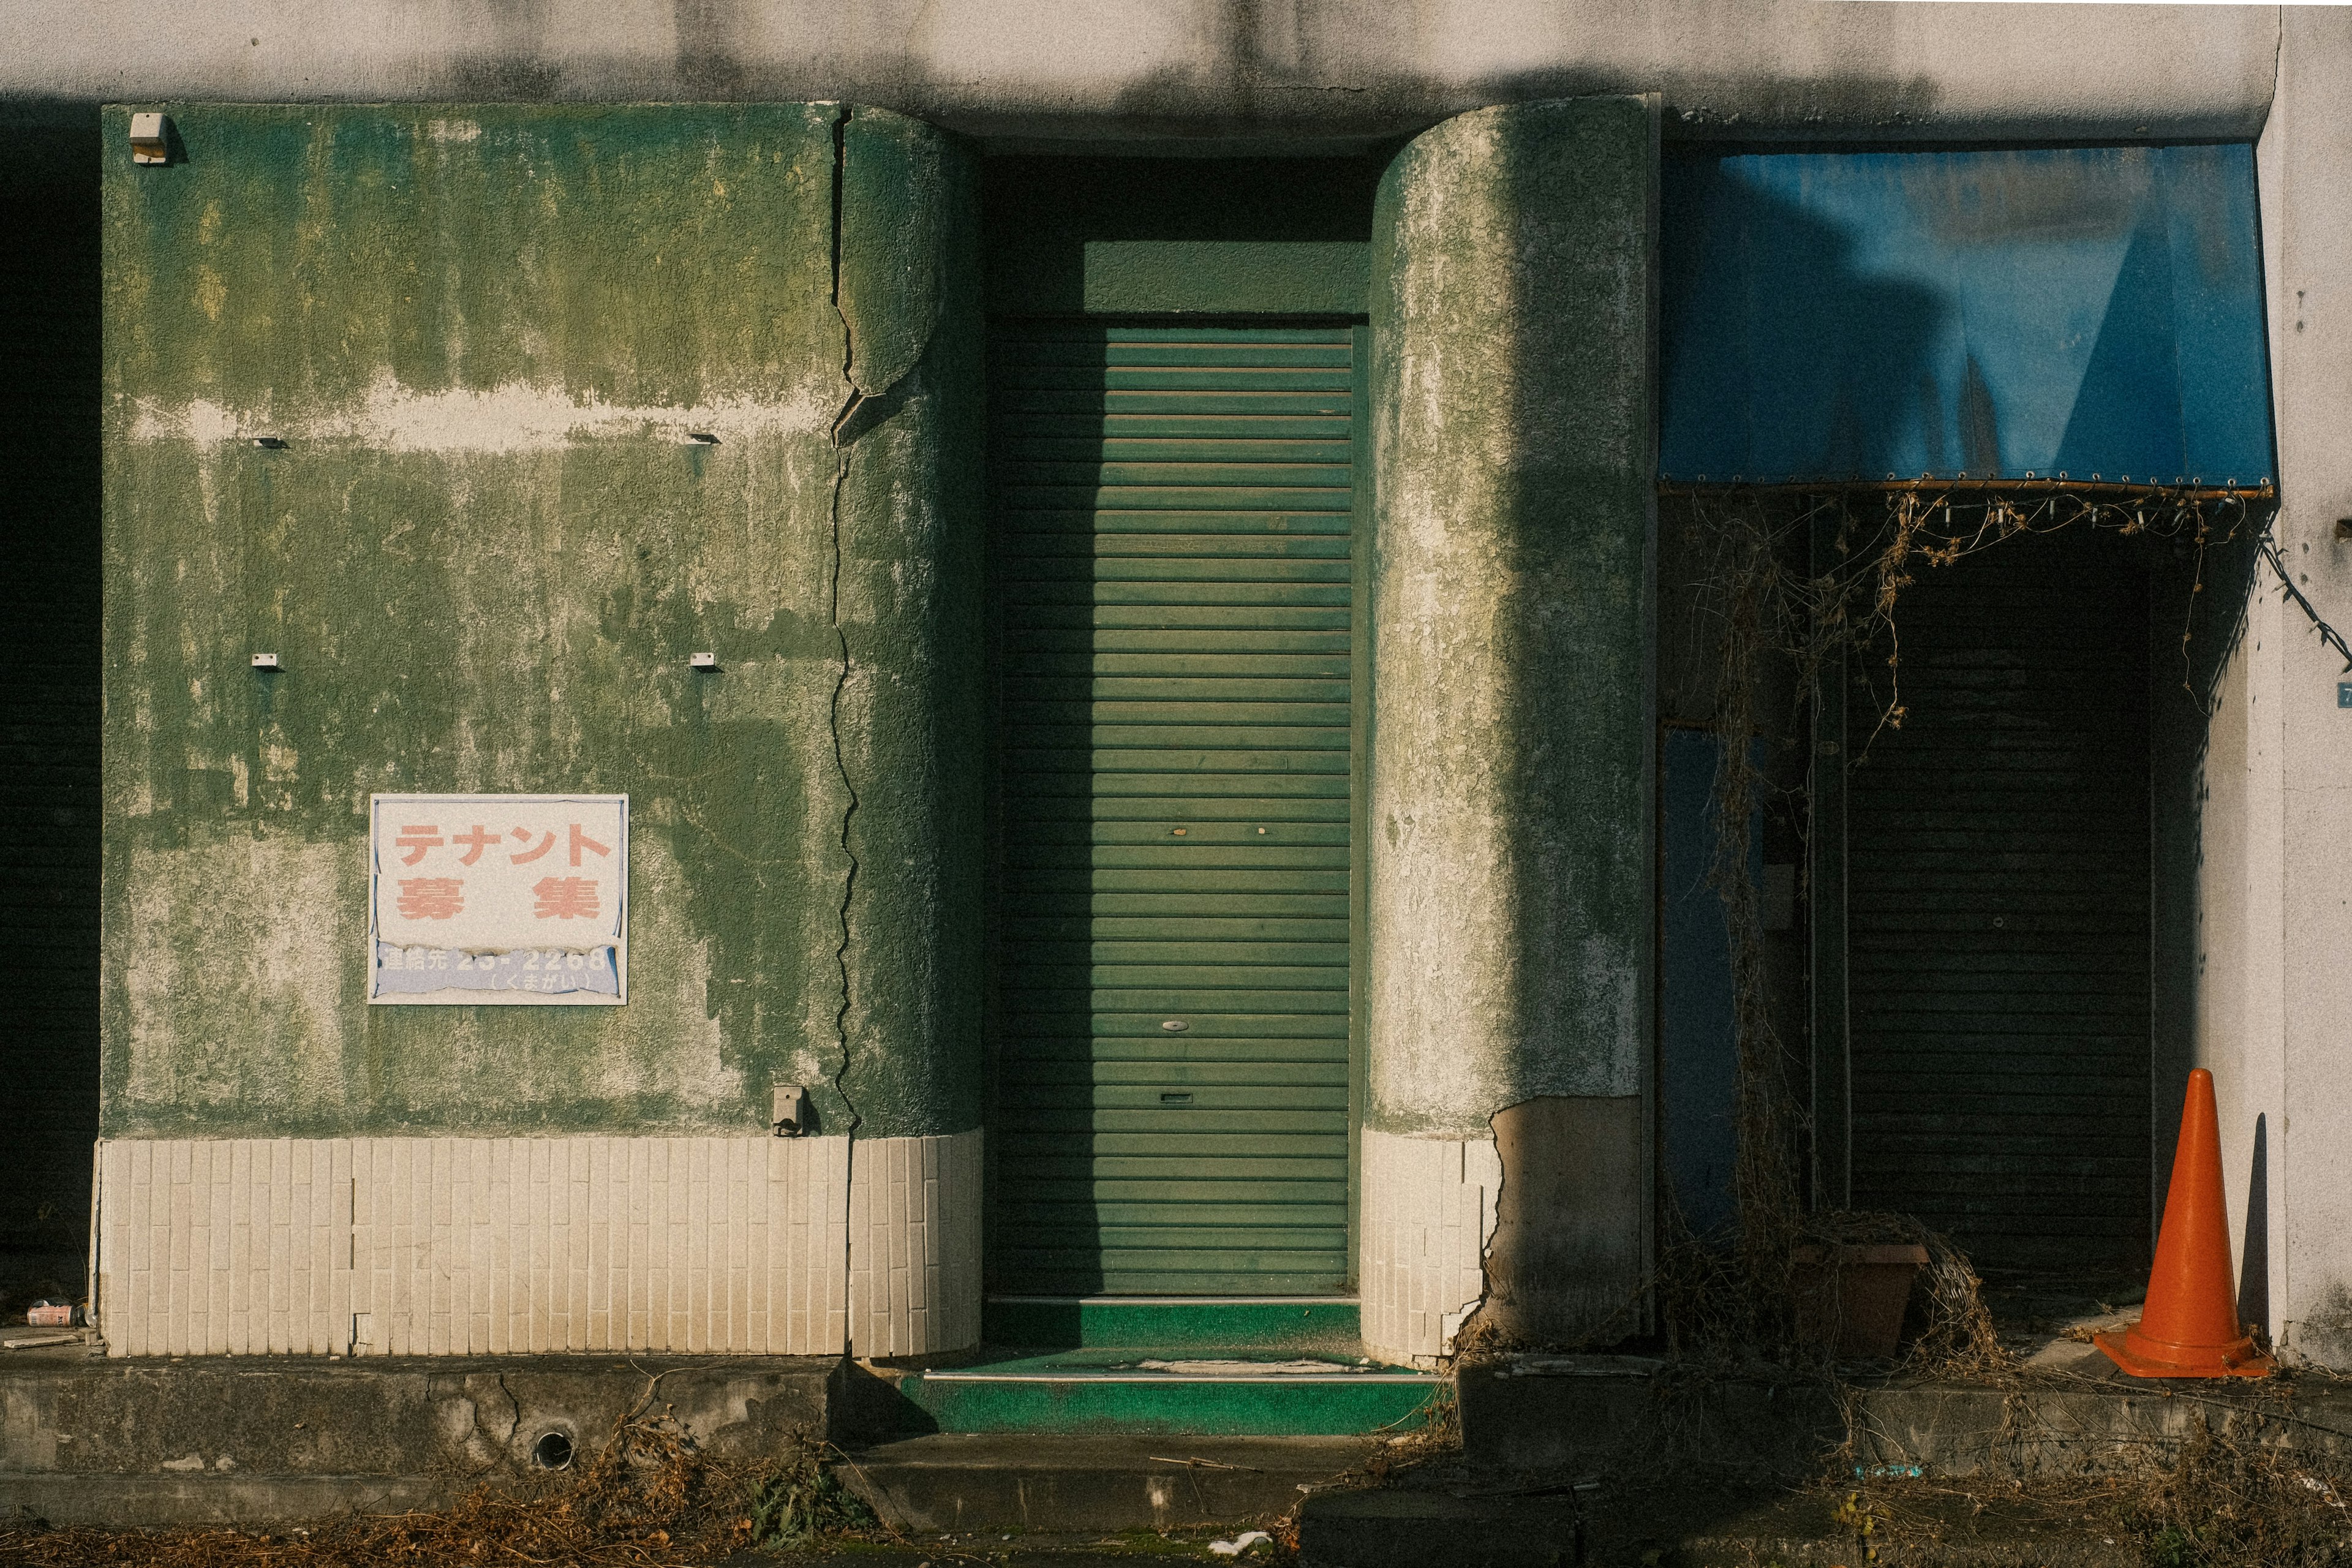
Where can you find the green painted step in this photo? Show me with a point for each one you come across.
(1191, 1392)
(1263, 1365)
(1316, 1323)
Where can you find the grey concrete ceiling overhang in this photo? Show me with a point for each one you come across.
(1224, 75)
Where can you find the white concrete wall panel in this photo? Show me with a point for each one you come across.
(2303, 1019)
(499, 1245)
(1428, 1209)
(1162, 68)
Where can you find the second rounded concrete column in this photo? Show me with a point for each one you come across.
(1506, 1158)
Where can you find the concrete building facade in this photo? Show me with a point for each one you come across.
(485, 373)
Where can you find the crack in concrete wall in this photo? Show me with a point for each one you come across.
(868, 401)
(841, 683)
(883, 338)
(841, 452)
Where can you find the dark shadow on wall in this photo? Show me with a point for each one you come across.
(1273, 79)
(1044, 213)
(1698, 1005)
(50, 637)
(2254, 1269)
(2196, 623)
(1765, 324)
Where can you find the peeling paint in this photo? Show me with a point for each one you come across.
(515, 417)
(1567, 1259)
(1429, 1213)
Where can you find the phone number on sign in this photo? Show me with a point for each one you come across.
(546, 970)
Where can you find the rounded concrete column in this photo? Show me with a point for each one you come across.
(905, 725)
(1505, 1153)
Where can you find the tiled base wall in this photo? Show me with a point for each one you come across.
(1428, 1213)
(491, 1245)
(914, 1236)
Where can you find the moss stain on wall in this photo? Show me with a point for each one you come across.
(1510, 905)
(483, 556)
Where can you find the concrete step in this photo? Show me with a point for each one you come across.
(956, 1482)
(1470, 1516)
(274, 1438)
(1412, 1528)
(1229, 1393)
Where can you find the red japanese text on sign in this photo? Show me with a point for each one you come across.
(416, 840)
(431, 898)
(564, 898)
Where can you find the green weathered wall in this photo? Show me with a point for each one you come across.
(483, 557)
(1510, 813)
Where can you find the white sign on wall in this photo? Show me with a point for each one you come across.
(498, 899)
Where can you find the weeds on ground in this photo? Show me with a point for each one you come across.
(650, 1497)
(799, 1497)
(2228, 1499)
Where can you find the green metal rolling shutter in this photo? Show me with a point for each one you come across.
(1173, 564)
(1998, 924)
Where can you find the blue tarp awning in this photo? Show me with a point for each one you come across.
(1836, 316)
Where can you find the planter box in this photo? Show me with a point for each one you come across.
(1852, 1296)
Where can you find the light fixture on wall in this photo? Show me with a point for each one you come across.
(150, 139)
(703, 661)
(791, 1110)
(265, 661)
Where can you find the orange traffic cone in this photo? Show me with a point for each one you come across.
(2189, 1327)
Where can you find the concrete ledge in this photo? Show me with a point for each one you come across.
(956, 1482)
(135, 1442)
(2061, 1431)
(2071, 1413)
(130, 1500)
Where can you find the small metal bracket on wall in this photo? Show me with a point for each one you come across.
(791, 1118)
(150, 139)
